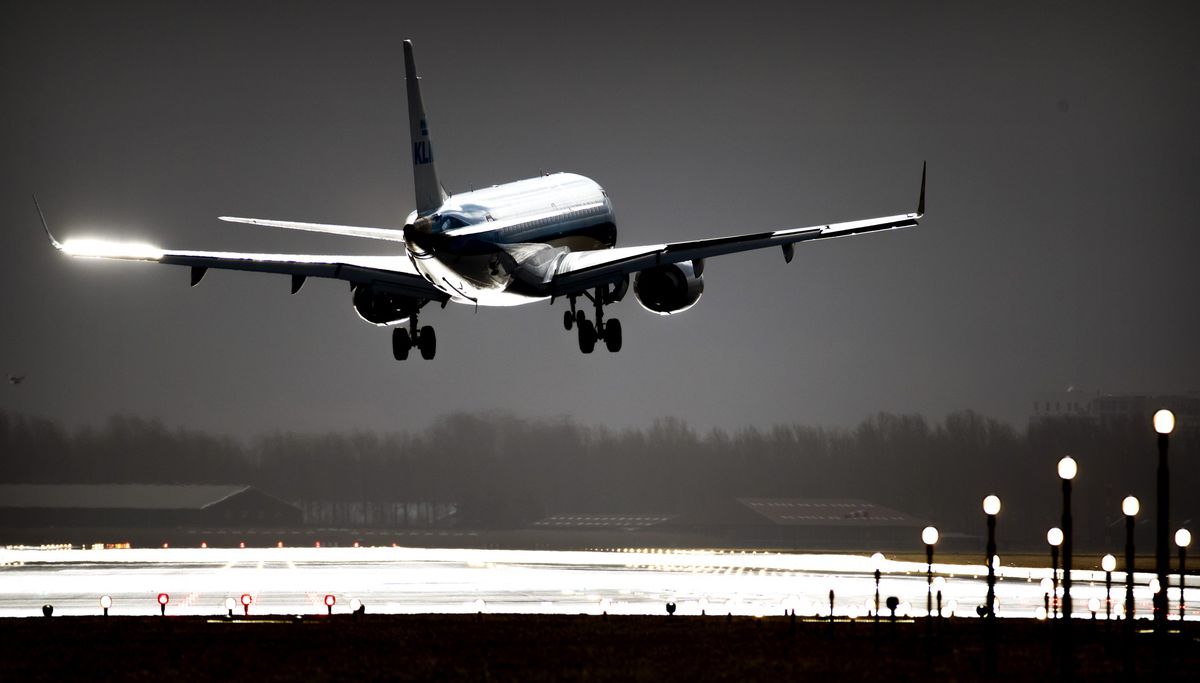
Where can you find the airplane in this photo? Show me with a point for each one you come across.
(550, 237)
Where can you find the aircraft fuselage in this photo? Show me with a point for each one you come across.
(496, 246)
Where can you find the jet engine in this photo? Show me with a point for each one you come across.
(668, 289)
(381, 307)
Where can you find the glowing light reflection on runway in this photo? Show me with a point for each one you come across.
(413, 580)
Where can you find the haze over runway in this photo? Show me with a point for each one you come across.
(1059, 246)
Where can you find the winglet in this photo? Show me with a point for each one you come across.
(56, 243)
(921, 201)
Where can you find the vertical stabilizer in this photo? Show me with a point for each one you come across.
(429, 192)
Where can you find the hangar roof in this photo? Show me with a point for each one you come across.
(118, 496)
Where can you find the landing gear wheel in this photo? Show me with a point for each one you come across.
(579, 317)
(587, 336)
(400, 344)
(568, 320)
(427, 342)
(612, 335)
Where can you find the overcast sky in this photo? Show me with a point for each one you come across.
(1059, 248)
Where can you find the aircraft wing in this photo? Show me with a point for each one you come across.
(582, 270)
(394, 273)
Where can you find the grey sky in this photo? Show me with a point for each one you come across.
(1059, 248)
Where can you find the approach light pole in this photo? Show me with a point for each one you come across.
(1183, 538)
(929, 536)
(1130, 506)
(1067, 469)
(991, 508)
(1108, 563)
(1055, 538)
(877, 559)
(1164, 424)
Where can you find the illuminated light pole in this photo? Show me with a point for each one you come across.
(163, 599)
(1130, 507)
(877, 558)
(1055, 538)
(330, 601)
(1067, 469)
(1108, 563)
(991, 508)
(1164, 423)
(106, 602)
(230, 603)
(877, 577)
(939, 586)
(929, 536)
(1183, 539)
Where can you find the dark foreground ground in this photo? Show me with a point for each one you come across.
(537, 648)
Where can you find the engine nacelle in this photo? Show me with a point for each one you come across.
(668, 289)
(381, 307)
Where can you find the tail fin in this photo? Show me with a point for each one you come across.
(429, 190)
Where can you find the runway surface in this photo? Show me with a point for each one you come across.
(419, 580)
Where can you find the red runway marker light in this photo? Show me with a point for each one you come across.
(330, 601)
(317, 544)
(242, 544)
(203, 544)
(164, 545)
(246, 600)
(279, 544)
(163, 599)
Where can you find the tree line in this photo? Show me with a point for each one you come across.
(503, 470)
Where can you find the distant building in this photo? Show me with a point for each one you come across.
(141, 506)
(1071, 403)
(379, 514)
(804, 523)
(1113, 408)
(614, 521)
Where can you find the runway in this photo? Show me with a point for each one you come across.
(419, 580)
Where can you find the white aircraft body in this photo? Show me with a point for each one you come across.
(550, 237)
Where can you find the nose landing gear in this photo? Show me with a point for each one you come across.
(425, 339)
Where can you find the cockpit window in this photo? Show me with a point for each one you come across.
(450, 222)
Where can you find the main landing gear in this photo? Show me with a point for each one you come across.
(424, 339)
(591, 332)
